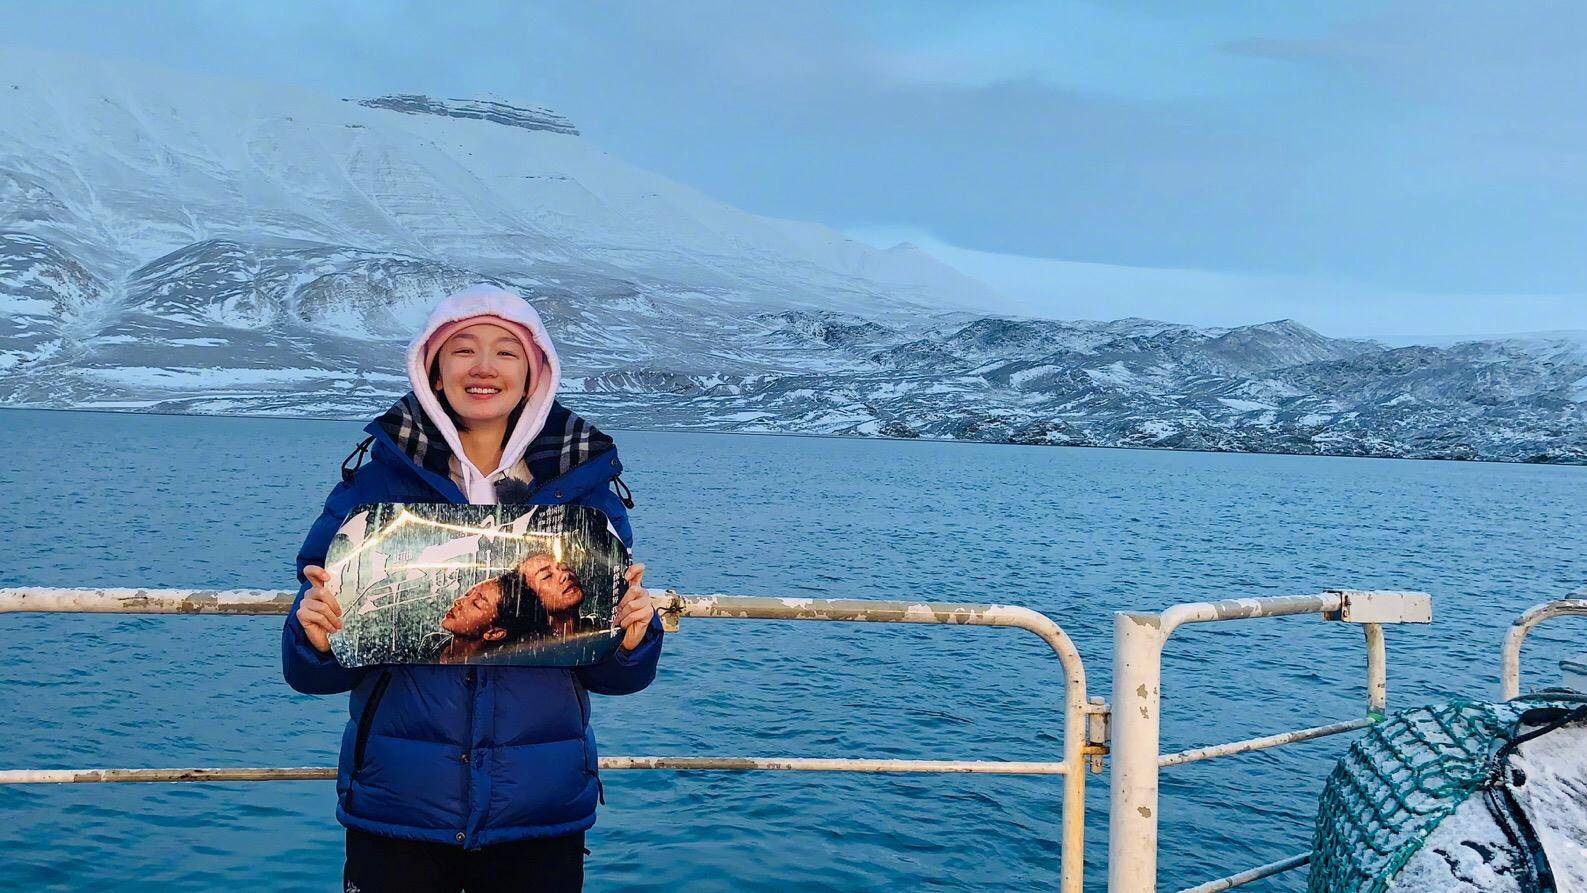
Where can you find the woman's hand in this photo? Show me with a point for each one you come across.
(319, 611)
(634, 611)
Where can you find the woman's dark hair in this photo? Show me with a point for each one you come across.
(457, 421)
(519, 612)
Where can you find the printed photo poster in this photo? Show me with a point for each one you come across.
(437, 583)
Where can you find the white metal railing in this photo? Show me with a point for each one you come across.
(1510, 670)
(1079, 711)
(1254, 874)
(1138, 642)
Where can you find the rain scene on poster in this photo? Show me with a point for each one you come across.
(438, 583)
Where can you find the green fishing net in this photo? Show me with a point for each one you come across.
(1399, 782)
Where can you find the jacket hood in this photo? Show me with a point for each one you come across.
(545, 370)
(565, 442)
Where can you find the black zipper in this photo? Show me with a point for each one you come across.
(366, 719)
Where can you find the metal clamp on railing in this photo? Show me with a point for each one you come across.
(1084, 720)
(1510, 671)
(1138, 642)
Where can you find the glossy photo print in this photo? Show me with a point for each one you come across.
(435, 583)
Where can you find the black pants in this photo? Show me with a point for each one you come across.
(378, 864)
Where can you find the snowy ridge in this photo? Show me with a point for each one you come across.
(185, 244)
(493, 110)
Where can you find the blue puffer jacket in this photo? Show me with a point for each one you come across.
(467, 755)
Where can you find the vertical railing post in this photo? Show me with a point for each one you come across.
(1132, 824)
(1072, 855)
(1377, 672)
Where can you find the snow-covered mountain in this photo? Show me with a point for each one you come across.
(186, 244)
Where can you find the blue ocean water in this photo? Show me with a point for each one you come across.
(100, 499)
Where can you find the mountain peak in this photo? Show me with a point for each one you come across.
(486, 108)
(1282, 326)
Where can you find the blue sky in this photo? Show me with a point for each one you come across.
(1391, 169)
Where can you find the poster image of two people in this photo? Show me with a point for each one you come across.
(532, 607)
(464, 584)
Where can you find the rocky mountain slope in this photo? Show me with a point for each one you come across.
(179, 244)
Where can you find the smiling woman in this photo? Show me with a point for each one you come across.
(480, 373)
(481, 426)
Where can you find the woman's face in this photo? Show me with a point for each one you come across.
(553, 583)
(484, 372)
(473, 614)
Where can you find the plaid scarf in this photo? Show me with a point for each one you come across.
(565, 442)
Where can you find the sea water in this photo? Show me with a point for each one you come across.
(95, 499)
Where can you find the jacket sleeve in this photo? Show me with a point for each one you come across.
(625, 672)
(305, 668)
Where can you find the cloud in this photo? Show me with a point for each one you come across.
(1058, 289)
(1414, 148)
(1347, 158)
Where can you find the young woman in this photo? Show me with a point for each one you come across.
(470, 777)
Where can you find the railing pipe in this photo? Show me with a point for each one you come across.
(1377, 672)
(1246, 608)
(1076, 707)
(1132, 829)
(145, 601)
(1138, 641)
(98, 776)
(1254, 874)
(685, 764)
(1213, 751)
(672, 606)
(1510, 672)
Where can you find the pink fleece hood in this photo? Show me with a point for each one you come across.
(544, 372)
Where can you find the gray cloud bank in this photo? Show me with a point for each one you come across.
(1415, 150)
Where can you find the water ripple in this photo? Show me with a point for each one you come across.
(1074, 533)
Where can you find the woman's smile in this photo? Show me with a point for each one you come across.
(481, 392)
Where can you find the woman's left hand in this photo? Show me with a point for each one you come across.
(634, 611)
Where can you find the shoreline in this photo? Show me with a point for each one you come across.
(846, 437)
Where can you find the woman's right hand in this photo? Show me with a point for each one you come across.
(319, 611)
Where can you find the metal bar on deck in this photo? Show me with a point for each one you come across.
(1510, 673)
(1250, 744)
(1254, 874)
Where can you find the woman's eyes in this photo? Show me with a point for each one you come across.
(500, 353)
